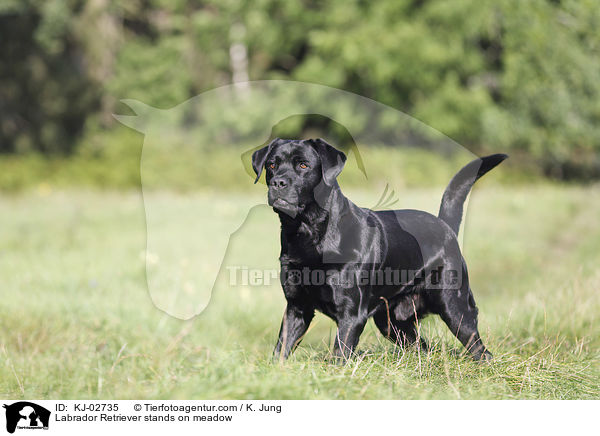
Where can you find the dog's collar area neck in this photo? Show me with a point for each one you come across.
(310, 212)
(310, 223)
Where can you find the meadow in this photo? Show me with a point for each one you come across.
(77, 320)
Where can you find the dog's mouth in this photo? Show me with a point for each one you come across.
(286, 207)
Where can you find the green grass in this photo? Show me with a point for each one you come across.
(77, 321)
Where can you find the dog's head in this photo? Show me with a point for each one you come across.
(294, 171)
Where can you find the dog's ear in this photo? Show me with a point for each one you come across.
(332, 160)
(260, 156)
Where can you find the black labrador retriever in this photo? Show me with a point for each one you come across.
(351, 263)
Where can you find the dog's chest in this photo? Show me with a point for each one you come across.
(303, 250)
(327, 301)
(318, 286)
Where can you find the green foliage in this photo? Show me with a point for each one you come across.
(550, 87)
(513, 76)
(518, 77)
(45, 90)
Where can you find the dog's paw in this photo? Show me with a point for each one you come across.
(486, 357)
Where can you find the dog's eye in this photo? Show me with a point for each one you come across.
(303, 166)
(272, 166)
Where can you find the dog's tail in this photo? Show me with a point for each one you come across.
(451, 208)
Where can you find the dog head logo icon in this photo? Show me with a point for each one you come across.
(26, 415)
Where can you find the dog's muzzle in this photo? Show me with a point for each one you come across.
(282, 205)
(280, 197)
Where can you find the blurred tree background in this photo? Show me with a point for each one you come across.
(516, 76)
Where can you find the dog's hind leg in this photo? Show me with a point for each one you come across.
(346, 339)
(460, 315)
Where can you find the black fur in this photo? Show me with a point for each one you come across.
(405, 263)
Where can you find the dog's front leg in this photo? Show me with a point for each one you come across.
(296, 319)
(346, 339)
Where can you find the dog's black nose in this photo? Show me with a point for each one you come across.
(278, 182)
